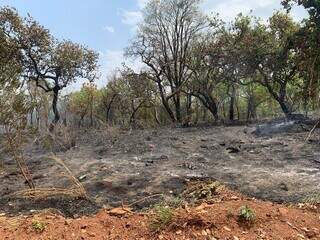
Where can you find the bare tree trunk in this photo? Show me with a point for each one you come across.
(177, 103)
(209, 103)
(31, 117)
(91, 115)
(188, 106)
(251, 111)
(156, 117)
(109, 106)
(165, 103)
(55, 106)
(232, 103)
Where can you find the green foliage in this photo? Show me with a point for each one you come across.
(246, 214)
(161, 217)
(38, 226)
(249, 67)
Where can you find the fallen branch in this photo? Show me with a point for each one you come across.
(312, 130)
(145, 198)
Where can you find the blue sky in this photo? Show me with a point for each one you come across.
(108, 25)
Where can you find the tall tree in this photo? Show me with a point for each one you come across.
(270, 55)
(163, 44)
(51, 64)
(309, 45)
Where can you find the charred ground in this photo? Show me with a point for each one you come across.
(143, 164)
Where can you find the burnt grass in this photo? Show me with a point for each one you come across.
(134, 167)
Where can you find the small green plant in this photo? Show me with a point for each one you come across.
(246, 214)
(162, 216)
(38, 226)
(174, 202)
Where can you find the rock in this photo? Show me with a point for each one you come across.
(234, 198)
(120, 211)
(227, 229)
(300, 236)
(283, 211)
(309, 233)
(82, 177)
(204, 233)
(283, 187)
(233, 149)
(67, 222)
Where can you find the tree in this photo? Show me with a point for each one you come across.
(51, 64)
(270, 56)
(308, 43)
(83, 103)
(163, 44)
(10, 61)
(312, 6)
(206, 64)
(126, 94)
(14, 104)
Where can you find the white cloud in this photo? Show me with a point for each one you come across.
(109, 29)
(131, 18)
(142, 3)
(229, 9)
(112, 60)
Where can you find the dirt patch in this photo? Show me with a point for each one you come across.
(218, 220)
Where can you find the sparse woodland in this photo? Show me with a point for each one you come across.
(196, 69)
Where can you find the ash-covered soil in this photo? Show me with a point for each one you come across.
(135, 165)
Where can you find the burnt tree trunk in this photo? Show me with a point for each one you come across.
(251, 109)
(177, 103)
(209, 103)
(232, 103)
(165, 103)
(55, 105)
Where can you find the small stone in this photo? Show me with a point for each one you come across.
(204, 233)
(178, 232)
(309, 233)
(82, 177)
(283, 211)
(227, 229)
(160, 237)
(68, 221)
(84, 226)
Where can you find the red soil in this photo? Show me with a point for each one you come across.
(206, 221)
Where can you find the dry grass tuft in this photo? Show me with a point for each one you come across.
(75, 191)
(60, 139)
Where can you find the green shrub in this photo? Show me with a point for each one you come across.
(38, 226)
(162, 216)
(246, 214)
